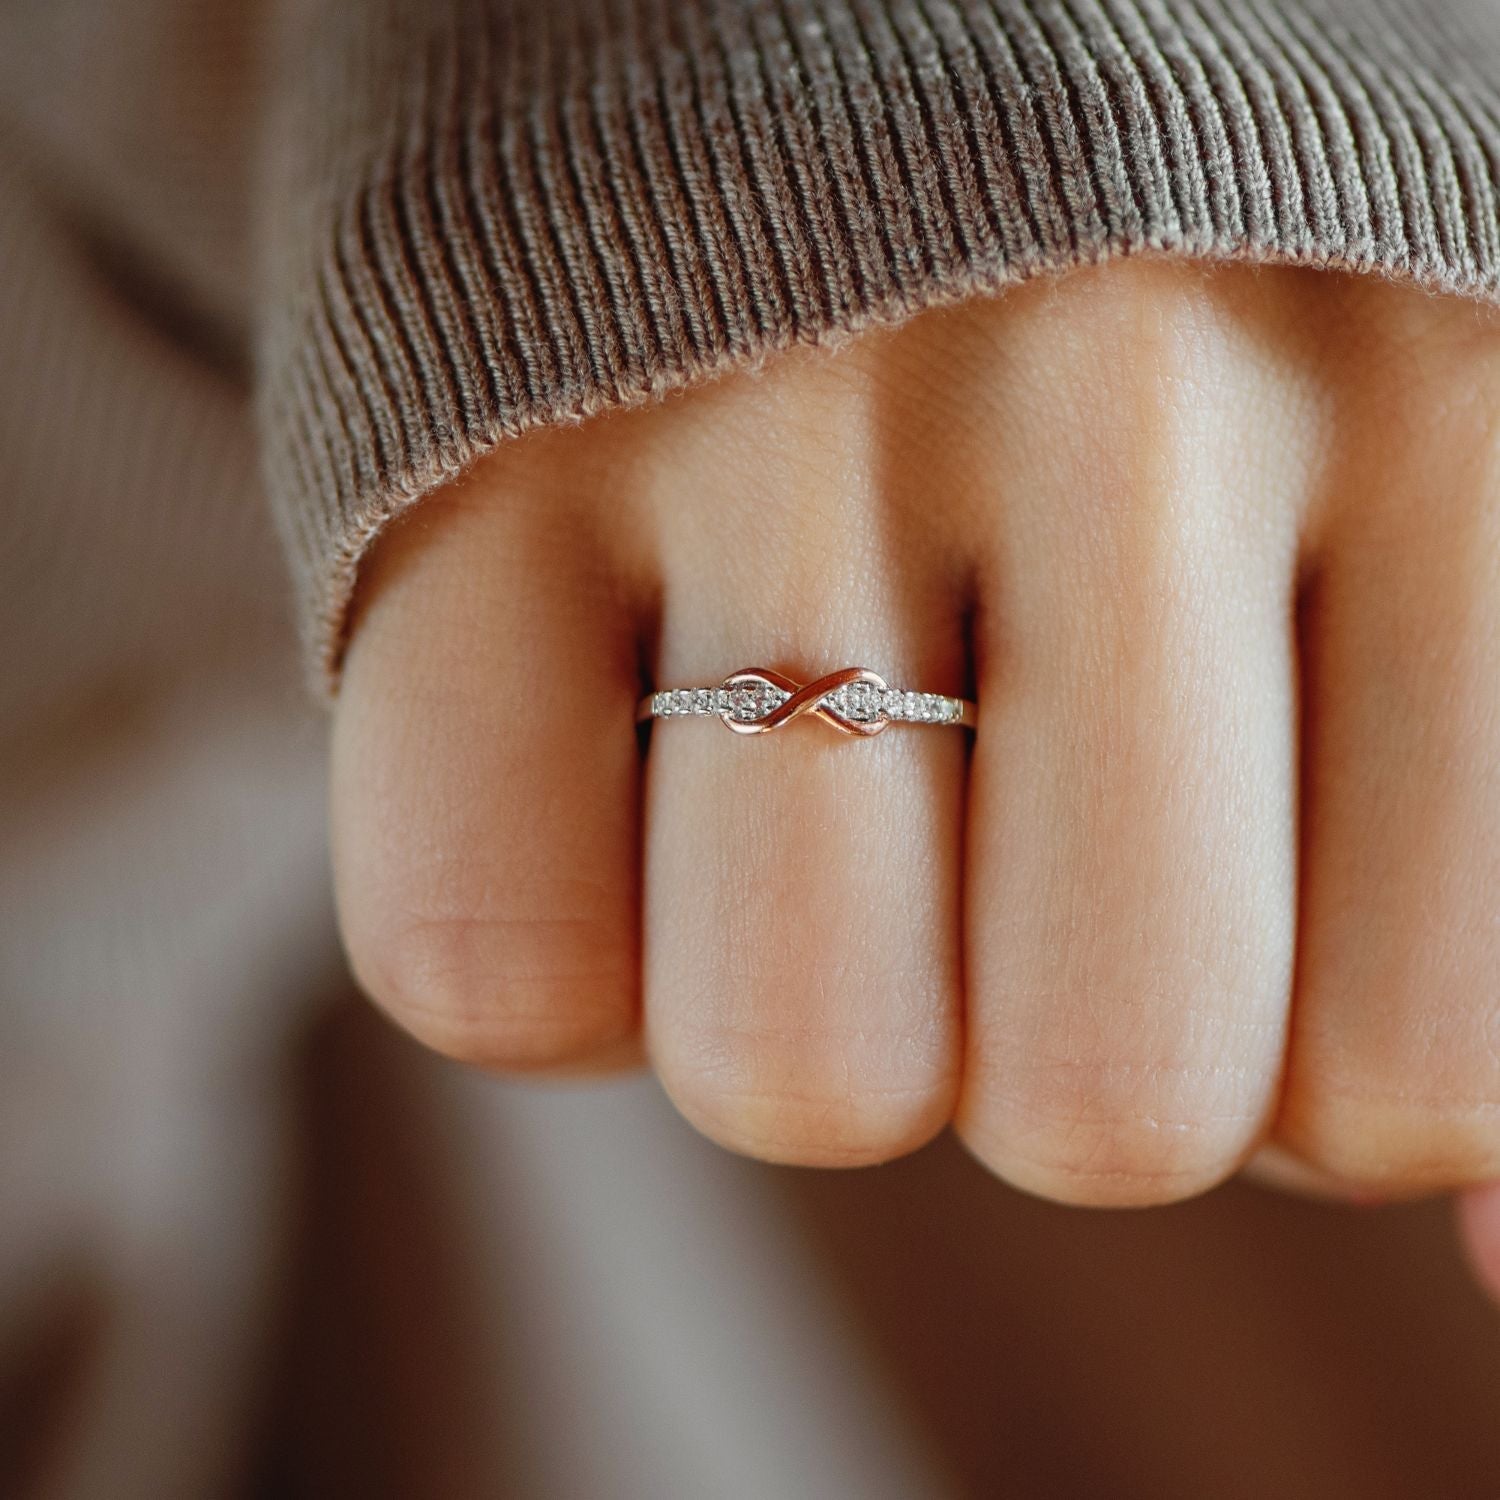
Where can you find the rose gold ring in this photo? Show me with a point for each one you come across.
(851, 700)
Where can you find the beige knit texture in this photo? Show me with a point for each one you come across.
(507, 214)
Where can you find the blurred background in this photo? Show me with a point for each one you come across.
(254, 1244)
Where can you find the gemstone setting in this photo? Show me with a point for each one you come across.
(854, 700)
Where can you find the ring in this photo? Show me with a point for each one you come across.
(851, 700)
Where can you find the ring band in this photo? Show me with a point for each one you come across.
(851, 700)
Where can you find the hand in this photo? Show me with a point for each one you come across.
(1219, 554)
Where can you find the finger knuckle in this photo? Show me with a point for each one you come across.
(808, 1096)
(511, 994)
(1111, 1132)
(1383, 1129)
(1406, 1099)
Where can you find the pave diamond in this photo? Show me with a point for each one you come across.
(860, 703)
(747, 702)
(855, 702)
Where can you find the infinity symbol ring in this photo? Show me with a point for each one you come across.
(851, 700)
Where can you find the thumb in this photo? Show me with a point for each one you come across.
(1479, 1224)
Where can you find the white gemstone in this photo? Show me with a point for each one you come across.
(854, 702)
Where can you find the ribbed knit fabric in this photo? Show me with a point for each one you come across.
(499, 215)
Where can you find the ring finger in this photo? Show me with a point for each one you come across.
(802, 970)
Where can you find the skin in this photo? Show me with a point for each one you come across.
(1218, 881)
